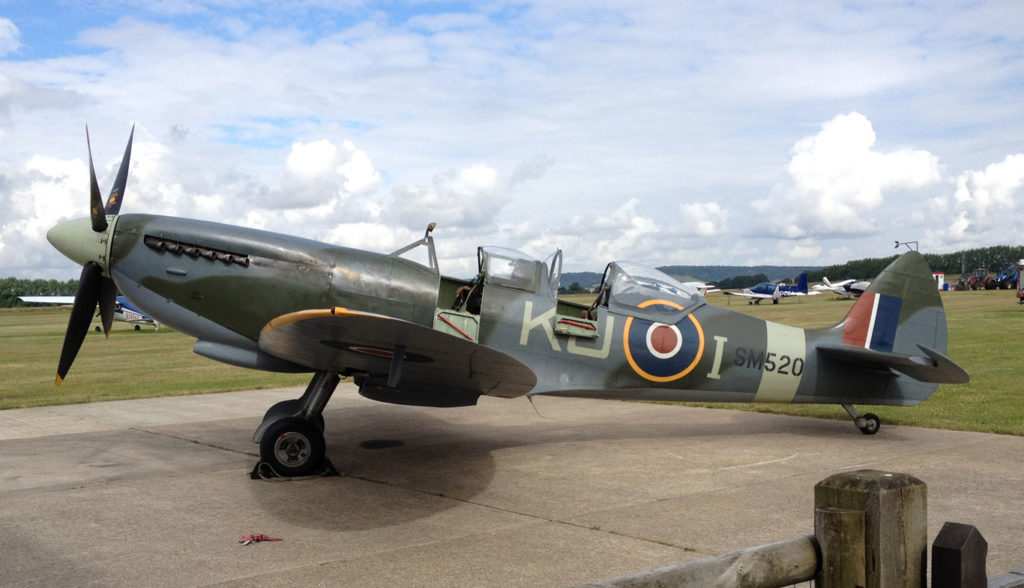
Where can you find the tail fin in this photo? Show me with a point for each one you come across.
(900, 310)
(801, 286)
(898, 326)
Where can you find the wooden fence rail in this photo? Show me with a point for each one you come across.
(870, 530)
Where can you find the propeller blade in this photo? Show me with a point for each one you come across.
(117, 192)
(81, 316)
(99, 220)
(107, 300)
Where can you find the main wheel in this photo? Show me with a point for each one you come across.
(293, 447)
(871, 424)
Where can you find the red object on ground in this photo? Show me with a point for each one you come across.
(258, 537)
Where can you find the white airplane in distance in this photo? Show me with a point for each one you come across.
(123, 309)
(849, 288)
(702, 287)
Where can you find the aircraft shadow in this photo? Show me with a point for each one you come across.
(384, 452)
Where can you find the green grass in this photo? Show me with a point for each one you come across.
(130, 364)
(136, 364)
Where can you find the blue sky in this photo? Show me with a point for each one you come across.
(659, 132)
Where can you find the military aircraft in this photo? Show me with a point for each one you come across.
(124, 310)
(407, 334)
(774, 292)
(847, 288)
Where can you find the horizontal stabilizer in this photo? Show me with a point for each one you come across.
(933, 367)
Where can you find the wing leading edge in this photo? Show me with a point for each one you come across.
(391, 356)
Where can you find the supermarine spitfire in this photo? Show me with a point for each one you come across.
(407, 334)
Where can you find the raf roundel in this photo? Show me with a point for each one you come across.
(664, 341)
(661, 352)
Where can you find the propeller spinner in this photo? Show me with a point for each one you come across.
(86, 241)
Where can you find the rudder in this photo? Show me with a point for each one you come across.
(900, 310)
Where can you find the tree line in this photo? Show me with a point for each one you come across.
(737, 282)
(994, 258)
(11, 288)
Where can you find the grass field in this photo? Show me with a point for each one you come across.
(136, 364)
(130, 364)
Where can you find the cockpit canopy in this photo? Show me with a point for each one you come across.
(627, 288)
(515, 269)
(637, 290)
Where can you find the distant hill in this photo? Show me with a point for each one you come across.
(586, 280)
(704, 273)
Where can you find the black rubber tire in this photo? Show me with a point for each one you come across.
(871, 424)
(293, 447)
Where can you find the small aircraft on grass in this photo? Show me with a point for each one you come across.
(124, 310)
(774, 292)
(407, 334)
(848, 288)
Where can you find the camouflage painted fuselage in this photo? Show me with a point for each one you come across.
(647, 339)
(222, 283)
(685, 349)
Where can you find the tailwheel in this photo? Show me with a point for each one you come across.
(868, 423)
(293, 447)
(871, 424)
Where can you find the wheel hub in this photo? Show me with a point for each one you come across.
(292, 449)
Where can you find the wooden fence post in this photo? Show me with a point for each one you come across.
(840, 535)
(958, 557)
(895, 513)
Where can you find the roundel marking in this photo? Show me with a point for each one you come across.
(663, 353)
(664, 341)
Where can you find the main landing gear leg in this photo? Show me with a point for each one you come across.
(291, 436)
(868, 423)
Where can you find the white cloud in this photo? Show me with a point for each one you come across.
(592, 238)
(980, 203)
(10, 37)
(36, 196)
(702, 219)
(473, 196)
(837, 181)
(357, 171)
(668, 122)
(312, 159)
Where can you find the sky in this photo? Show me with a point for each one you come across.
(703, 133)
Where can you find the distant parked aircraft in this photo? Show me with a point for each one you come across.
(703, 288)
(124, 310)
(849, 288)
(773, 291)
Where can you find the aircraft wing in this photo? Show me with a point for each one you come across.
(48, 299)
(431, 361)
(749, 294)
